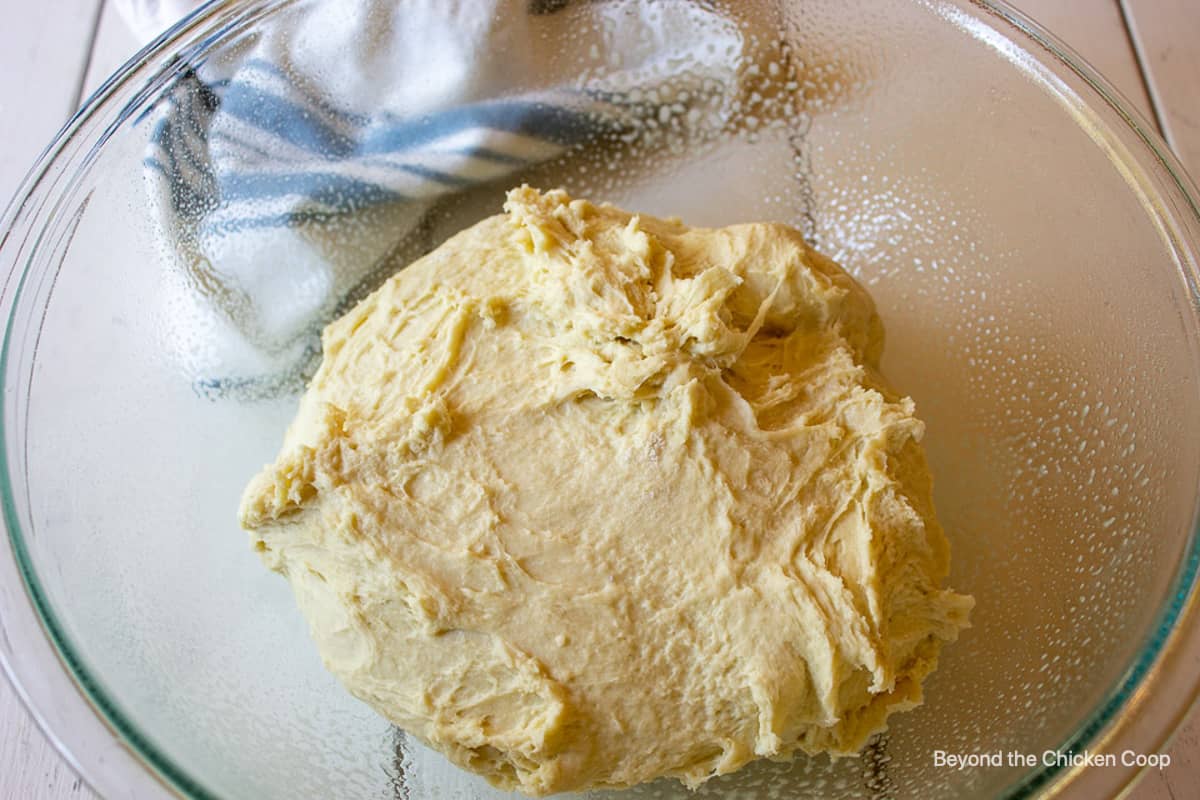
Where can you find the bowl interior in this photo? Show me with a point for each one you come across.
(1024, 253)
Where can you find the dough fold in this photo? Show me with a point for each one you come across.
(584, 498)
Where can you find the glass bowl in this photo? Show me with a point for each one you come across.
(1030, 243)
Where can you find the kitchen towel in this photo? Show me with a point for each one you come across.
(292, 167)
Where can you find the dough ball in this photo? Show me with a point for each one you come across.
(584, 498)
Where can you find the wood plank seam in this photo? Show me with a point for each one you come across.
(81, 82)
(1156, 100)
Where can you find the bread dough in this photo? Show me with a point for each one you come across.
(584, 498)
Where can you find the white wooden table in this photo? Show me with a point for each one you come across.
(53, 53)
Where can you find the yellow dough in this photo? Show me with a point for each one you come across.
(584, 498)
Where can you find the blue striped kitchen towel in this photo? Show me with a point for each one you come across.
(298, 166)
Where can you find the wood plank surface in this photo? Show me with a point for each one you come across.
(1167, 39)
(1096, 30)
(44, 50)
(30, 769)
(114, 44)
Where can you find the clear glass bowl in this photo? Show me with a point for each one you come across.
(1032, 248)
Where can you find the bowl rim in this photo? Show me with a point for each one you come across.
(1123, 714)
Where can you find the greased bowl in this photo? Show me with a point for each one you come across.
(1030, 242)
